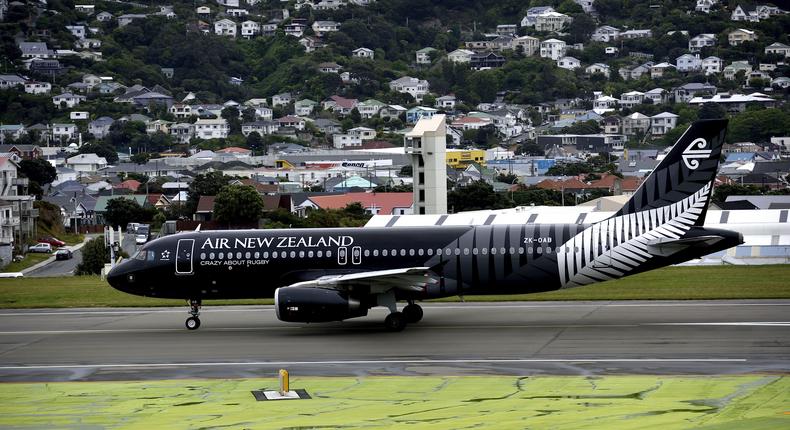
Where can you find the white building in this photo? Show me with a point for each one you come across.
(460, 56)
(778, 49)
(250, 29)
(598, 68)
(343, 141)
(631, 99)
(552, 21)
(225, 27)
(211, 128)
(322, 27)
(35, 87)
(712, 65)
(86, 163)
(700, 41)
(661, 124)
(426, 143)
(408, 85)
(528, 45)
(636, 123)
(423, 56)
(552, 48)
(68, 100)
(688, 63)
(569, 63)
(605, 33)
(363, 53)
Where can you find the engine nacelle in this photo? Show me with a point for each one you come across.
(303, 304)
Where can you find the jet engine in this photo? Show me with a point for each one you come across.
(303, 304)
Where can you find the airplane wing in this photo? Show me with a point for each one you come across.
(409, 278)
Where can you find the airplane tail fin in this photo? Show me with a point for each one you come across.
(689, 167)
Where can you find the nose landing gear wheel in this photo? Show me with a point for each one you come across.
(395, 321)
(193, 323)
(413, 313)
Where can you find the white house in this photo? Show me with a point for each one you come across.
(225, 27)
(700, 41)
(35, 87)
(552, 21)
(552, 48)
(635, 123)
(423, 56)
(611, 50)
(778, 49)
(69, 99)
(304, 107)
(211, 128)
(658, 70)
(740, 35)
(605, 33)
(250, 29)
(661, 124)
(63, 131)
(604, 104)
(180, 110)
(745, 13)
(370, 108)
(445, 102)
(408, 85)
(569, 63)
(77, 31)
(460, 56)
(631, 99)
(657, 95)
(282, 99)
(705, 5)
(598, 68)
(322, 27)
(528, 45)
(532, 14)
(363, 53)
(712, 65)
(86, 163)
(342, 141)
(364, 133)
(688, 63)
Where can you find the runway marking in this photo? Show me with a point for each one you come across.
(424, 327)
(269, 308)
(367, 362)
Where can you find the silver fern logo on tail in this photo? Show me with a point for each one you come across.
(692, 156)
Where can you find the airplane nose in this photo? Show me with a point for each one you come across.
(120, 278)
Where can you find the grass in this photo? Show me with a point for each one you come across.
(672, 283)
(31, 259)
(497, 402)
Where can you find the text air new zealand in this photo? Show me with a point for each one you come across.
(318, 275)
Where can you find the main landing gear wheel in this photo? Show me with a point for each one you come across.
(193, 322)
(413, 313)
(395, 321)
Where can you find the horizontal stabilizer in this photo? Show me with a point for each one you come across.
(666, 246)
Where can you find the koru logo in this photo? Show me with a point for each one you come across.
(691, 156)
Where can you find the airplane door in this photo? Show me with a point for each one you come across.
(342, 255)
(356, 255)
(184, 253)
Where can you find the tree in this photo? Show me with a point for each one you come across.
(140, 157)
(207, 184)
(255, 143)
(231, 114)
(38, 170)
(478, 195)
(101, 150)
(121, 211)
(238, 204)
(711, 111)
(508, 178)
(94, 256)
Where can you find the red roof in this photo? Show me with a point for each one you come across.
(289, 118)
(470, 120)
(377, 144)
(567, 184)
(628, 183)
(129, 184)
(385, 202)
(234, 150)
(344, 102)
(205, 204)
(153, 199)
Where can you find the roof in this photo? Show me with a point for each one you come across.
(130, 184)
(234, 150)
(386, 202)
(205, 204)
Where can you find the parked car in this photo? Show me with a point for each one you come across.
(132, 227)
(63, 254)
(52, 241)
(40, 247)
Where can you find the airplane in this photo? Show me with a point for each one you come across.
(333, 274)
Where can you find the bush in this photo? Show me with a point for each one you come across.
(94, 256)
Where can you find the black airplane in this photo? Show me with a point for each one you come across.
(320, 275)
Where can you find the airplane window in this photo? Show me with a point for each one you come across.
(274, 254)
(202, 255)
(257, 255)
(420, 252)
(375, 252)
(247, 255)
(265, 254)
(238, 256)
(301, 254)
(329, 253)
(310, 254)
(502, 251)
(394, 252)
(512, 250)
(384, 252)
(457, 251)
(319, 254)
(466, 251)
(429, 251)
(439, 251)
(151, 255)
(484, 251)
(293, 254)
(521, 250)
(402, 252)
(221, 256)
(140, 255)
(230, 255)
(211, 256)
(474, 251)
(576, 248)
(411, 252)
(493, 251)
(548, 250)
(539, 250)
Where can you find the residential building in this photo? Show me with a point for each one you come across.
(552, 21)
(598, 68)
(86, 163)
(63, 132)
(181, 111)
(77, 31)
(23, 152)
(36, 87)
(260, 127)
(392, 112)
(250, 29)
(486, 60)
(612, 124)
(67, 100)
(158, 126)
(364, 133)
(128, 18)
(506, 29)
(211, 128)
(327, 126)
(460, 56)
(658, 70)
(731, 71)
(658, 96)
(423, 56)
(745, 13)
(225, 27)
(778, 49)
(705, 5)
(11, 81)
(322, 27)
(636, 34)
(291, 121)
(528, 45)
(36, 50)
(631, 99)
(11, 131)
(304, 107)
(735, 102)
(636, 123)
(370, 108)
(686, 92)
(294, 29)
(700, 41)
(282, 99)
(329, 67)
(343, 141)
(740, 35)
(445, 102)
(611, 50)
(100, 127)
(552, 48)
(530, 18)
(340, 105)
(569, 63)
(417, 112)
(605, 33)
(712, 65)
(688, 63)
(104, 17)
(604, 104)
(413, 86)
(660, 124)
(363, 53)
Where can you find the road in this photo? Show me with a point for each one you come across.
(689, 337)
(67, 267)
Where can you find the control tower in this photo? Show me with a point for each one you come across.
(426, 144)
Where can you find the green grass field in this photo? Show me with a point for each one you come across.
(31, 259)
(710, 282)
(496, 402)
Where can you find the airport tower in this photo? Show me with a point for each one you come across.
(426, 144)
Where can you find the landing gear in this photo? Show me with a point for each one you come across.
(395, 321)
(413, 313)
(193, 322)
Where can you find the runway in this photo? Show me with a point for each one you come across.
(524, 338)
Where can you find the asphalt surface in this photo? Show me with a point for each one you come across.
(67, 267)
(719, 337)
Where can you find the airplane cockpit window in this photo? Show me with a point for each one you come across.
(140, 255)
(151, 255)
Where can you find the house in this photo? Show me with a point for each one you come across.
(631, 99)
(658, 70)
(605, 33)
(77, 31)
(735, 102)
(486, 60)
(311, 44)
(731, 71)
(304, 107)
(211, 128)
(705, 5)
(392, 112)
(611, 50)
(370, 108)
(688, 63)
(745, 13)
(63, 132)
(291, 121)
(36, 87)
(86, 163)
(181, 111)
(11, 81)
(460, 56)
(67, 100)
(700, 41)
(23, 152)
(423, 56)
(327, 126)
(322, 27)
(777, 48)
(225, 27)
(636, 123)
(36, 50)
(604, 104)
(269, 28)
(237, 13)
(250, 29)
(471, 123)
(686, 92)
(182, 132)
(552, 48)
(740, 35)
(417, 112)
(363, 53)
(104, 17)
(598, 68)
(340, 105)
(506, 29)
(636, 72)
(329, 67)
(636, 34)
(152, 98)
(364, 133)
(445, 102)
(569, 63)
(88, 43)
(781, 82)
(295, 29)
(11, 131)
(282, 99)
(158, 126)
(374, 203)
(528, 45)
(658, 96)
(260, 127)
(660, 124)
(530, 18)
(343, 141)
(100, 127)
(712, 65)
(552, 21)
(128, 18)
(611, 124)
(413, 86)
